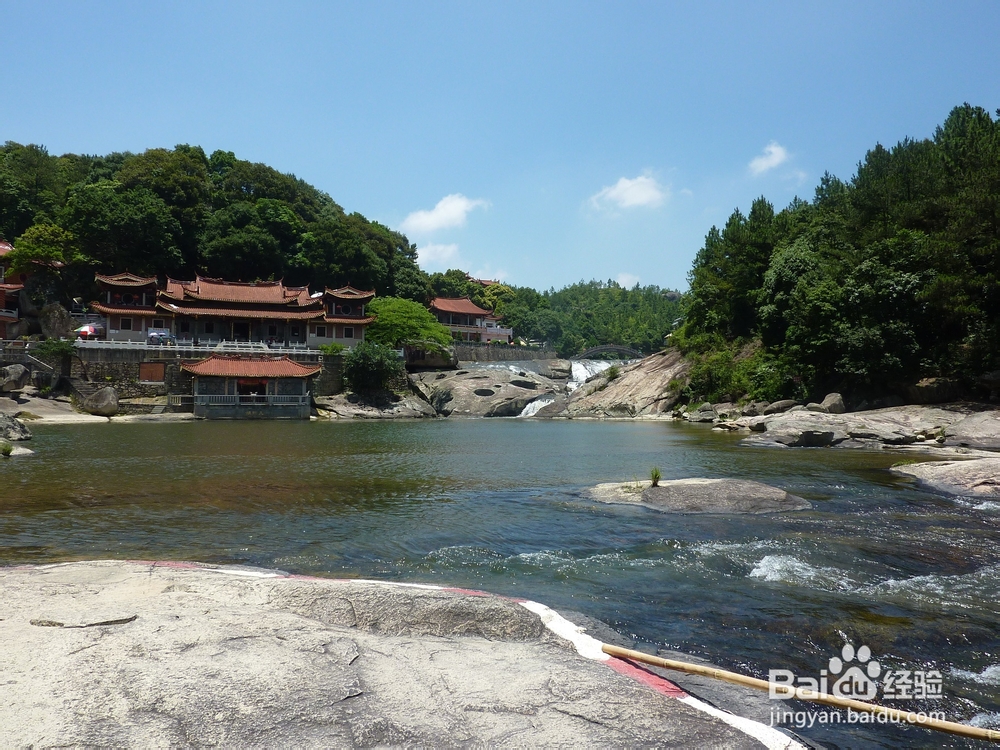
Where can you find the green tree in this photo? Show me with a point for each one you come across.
(402, 321)
(370, 367)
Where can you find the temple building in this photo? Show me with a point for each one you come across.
(242, 387)
(467, 321)
(208, 311)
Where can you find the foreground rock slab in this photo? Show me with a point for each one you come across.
(978, 478)
(701, 496)
(156, 655)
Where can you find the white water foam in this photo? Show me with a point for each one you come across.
(989, 676)
(986, 720)
(988, 505)
(788, 569)
(532, 408)
(977, 590)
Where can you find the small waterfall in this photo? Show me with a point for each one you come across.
(535, 406)
(583, 369)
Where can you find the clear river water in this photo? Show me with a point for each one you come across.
(498, 505)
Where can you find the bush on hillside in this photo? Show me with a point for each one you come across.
(371, 367)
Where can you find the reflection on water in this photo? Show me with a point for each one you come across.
(495, 504)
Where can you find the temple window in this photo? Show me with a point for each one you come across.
(126, 324)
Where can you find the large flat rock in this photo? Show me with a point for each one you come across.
(978, 478)
(900, 425)
(980, 430)
(148, 655)
(483, 391)
(649, 387)
(701, 496)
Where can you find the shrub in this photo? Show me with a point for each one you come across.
(612, 373)
(331, 349)
(55, 349)
(655, 476)
(6, 449)
(371, 367)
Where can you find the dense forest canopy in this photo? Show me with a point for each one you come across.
(182, 213)
(877, 282)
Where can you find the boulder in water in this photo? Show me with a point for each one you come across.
(701, 496)
(979, 478)
(13, 429)
(481, 391)
(649, 387)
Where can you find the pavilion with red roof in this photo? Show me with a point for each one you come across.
(250, 387)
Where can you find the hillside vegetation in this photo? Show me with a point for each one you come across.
(878, 281)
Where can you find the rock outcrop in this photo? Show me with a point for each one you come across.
(481, 391)
(980, 430)
(978, 478)
(103, 402)
(649, 387)
(117, 654)
(902, 425)
(701, 496)
(13, 378)
(13, 429)
(351, 406)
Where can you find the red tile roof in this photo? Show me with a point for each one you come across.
(11, 287)
(125, 279)
(464, 306)
(286, 313)
(257, 292)
(349, 292)
(123, 310)
(219, 365)
(5, 247)
(350, 321)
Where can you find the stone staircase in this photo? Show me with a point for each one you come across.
(83, 388)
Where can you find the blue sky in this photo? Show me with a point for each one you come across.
(543, 143)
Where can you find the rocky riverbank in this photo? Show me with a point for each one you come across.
(115, 653)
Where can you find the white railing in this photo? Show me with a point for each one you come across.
(8, 313)
(235, 400)
(204, 347)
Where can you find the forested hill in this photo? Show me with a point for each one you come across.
(877, 282)
(180, 212)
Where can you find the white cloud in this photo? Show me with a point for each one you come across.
(450, 211)
(643, 190)
(774, 155)
(627, 280)
(434, 255)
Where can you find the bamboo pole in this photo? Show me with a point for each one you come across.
(893, 714)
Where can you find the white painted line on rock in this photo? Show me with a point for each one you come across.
(590, 648)
(587, 646)
(770, 737)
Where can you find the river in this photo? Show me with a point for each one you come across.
(497, 505)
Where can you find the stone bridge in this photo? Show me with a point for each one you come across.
(626, 351)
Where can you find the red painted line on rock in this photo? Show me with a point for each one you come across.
(659, 684)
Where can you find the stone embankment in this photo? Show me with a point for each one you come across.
(116, 654)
